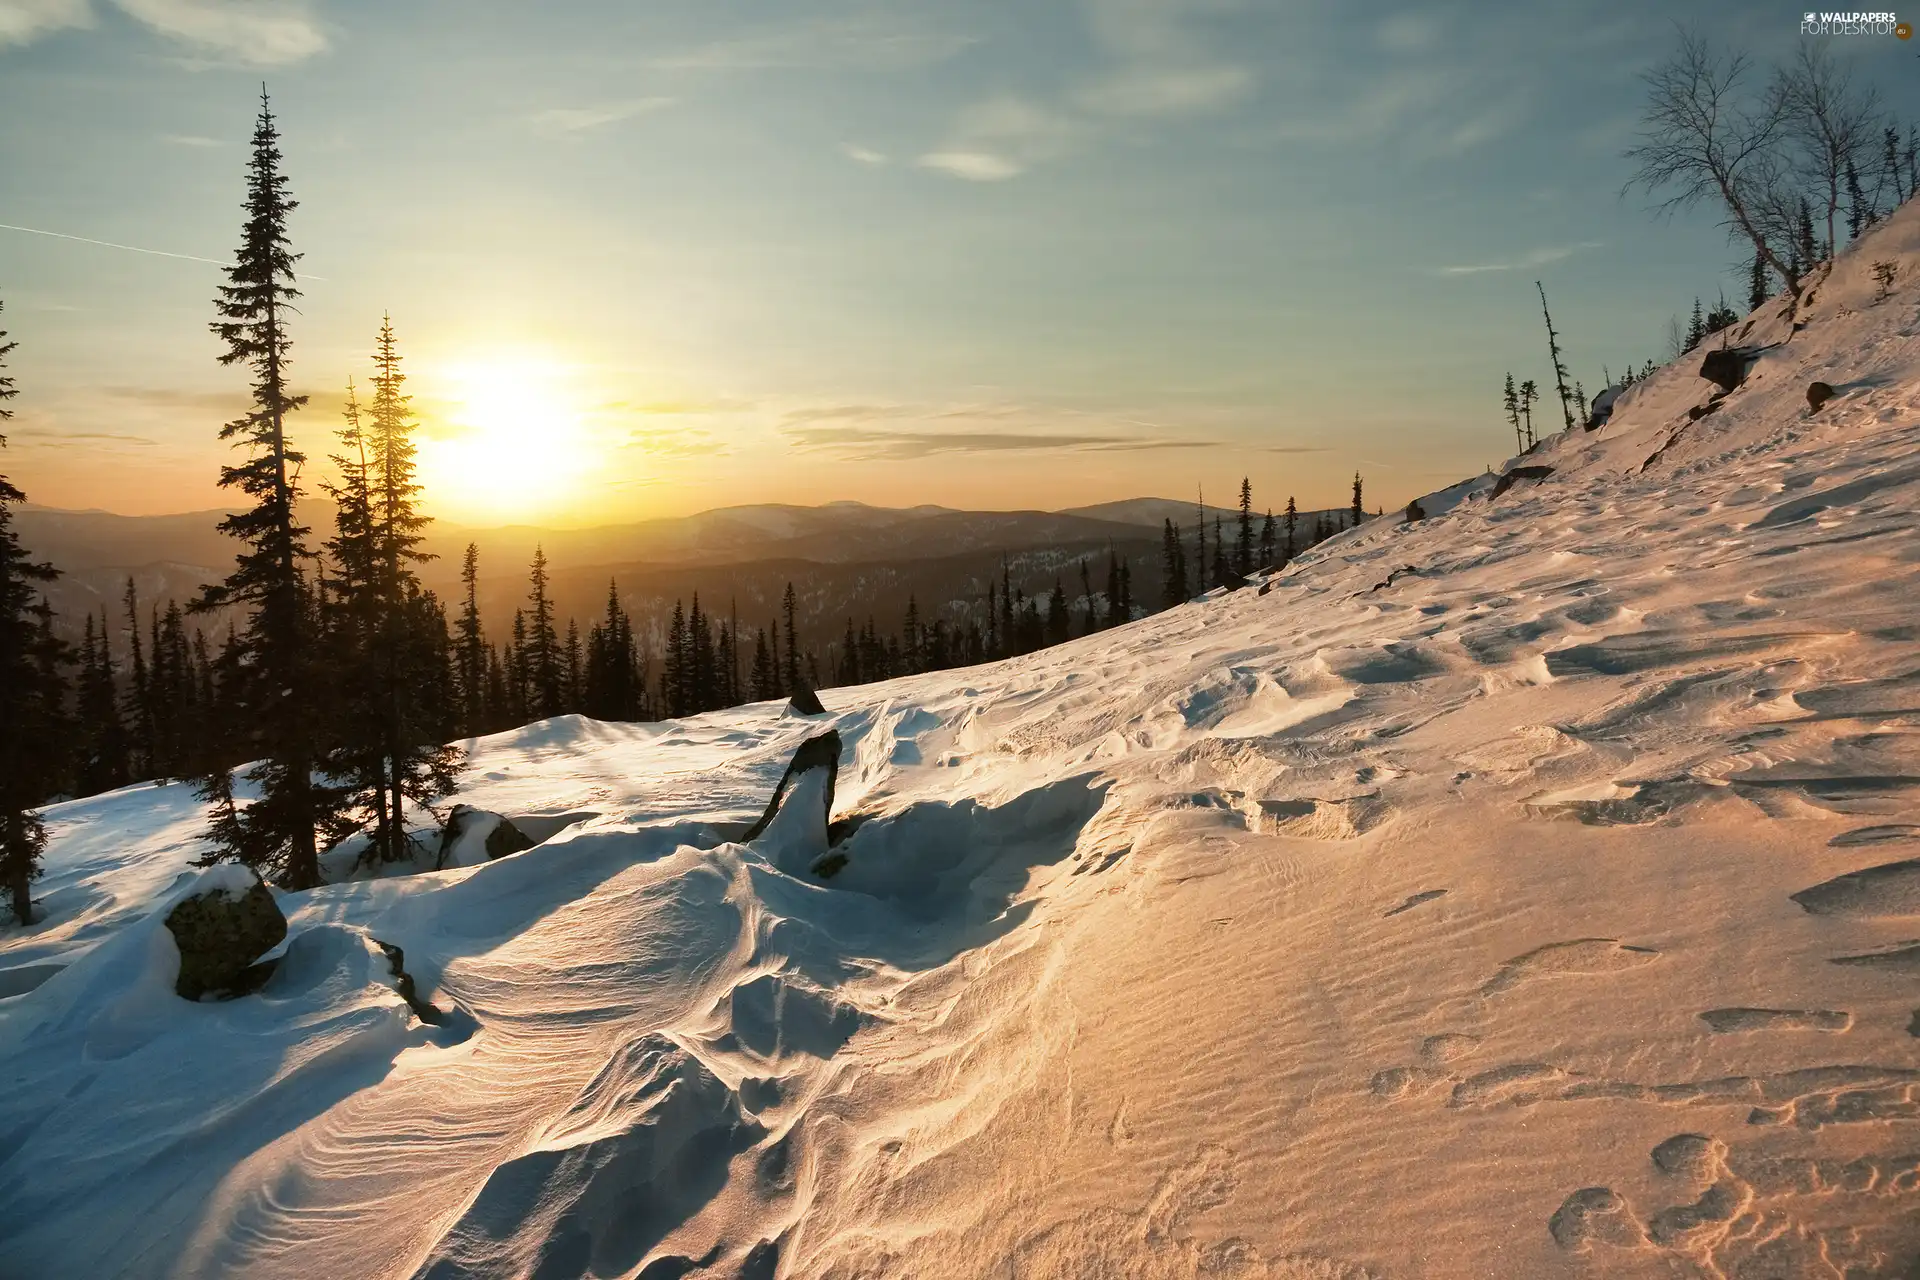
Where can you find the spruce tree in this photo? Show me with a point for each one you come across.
(1889, 169)
(1293, 518)
(282, 704)
(1859, 213)
(789, 607)
(471, 647)
(387, 634)
(675, 681)
(1757, 283)
(1173, 571)
(1553, 349)
(1359, 511)
(103, 741)
(1092, 623)
(573, 678)
(32, 695)
(1512, 405)
(1696, 327)
(1243, 544)
(1267, 540)
(1113, 618)
(764, 681)
(1806, 247)
(910, 645)
(138, 716)
(1529, 396)
(1222, 571)
(542, 654)
(1057, 629)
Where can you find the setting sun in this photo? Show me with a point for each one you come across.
(514, 444)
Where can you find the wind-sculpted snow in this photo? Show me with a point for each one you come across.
(1528, 890)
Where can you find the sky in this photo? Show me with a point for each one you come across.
(644, 259)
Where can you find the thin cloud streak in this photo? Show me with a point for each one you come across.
(1535, 258)
(130, 248)
(866, 444)
(580, 119)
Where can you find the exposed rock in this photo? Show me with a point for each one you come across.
(1818, 393)
(805, 702)
(403, 983)
(1516, 475)
(220, 933)
(1700, 411)
(1727, 366)
(1602, 408)
(467, 826)
(1415, 511)
(822, 752)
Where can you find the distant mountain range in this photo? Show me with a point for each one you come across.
(845, 559)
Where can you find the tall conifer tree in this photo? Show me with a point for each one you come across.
(281, 703)
(1243, 544)
(31, 692)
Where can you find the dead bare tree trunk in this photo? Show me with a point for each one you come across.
(1703, 137)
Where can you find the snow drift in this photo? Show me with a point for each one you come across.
(1527, 890)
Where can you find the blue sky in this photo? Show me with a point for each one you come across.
(649, 258)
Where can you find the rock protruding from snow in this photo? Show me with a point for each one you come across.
(1518, 474)
(227, 923)
(803, 801)
(1727, 366)
(1602, 407)
(805, 702)
(1415, 511)
(474, 836)
(1818, 393)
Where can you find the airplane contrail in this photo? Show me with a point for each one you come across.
(130, 248)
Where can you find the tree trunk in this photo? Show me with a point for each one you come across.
(22, 899)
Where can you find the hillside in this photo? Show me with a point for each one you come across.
(846, 559)
(1527, 891)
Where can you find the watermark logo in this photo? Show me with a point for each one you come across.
(1854, 24)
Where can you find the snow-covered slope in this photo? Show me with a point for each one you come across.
(1427, 911)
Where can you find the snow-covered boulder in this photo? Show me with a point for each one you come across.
(227, 922)
(474, 836)
(805, 702)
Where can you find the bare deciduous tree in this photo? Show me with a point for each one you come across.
(1704, 136)
(1833, 121)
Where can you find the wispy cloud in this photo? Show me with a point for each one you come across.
(866, 433)
(874, 40)
(871, 444)
(22, 21)
(864, 155)
(37, 436)
(251, 32)
(1163, 64)
(580, 119)
(1000, 138)
(1526, 261)
(189, 140)
(1166, 91)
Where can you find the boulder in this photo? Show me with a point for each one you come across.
(1516, 475)
(1818, 393)
(221, 930)
(1727, 366)
(1602, 408)
(822, 752)
(1415, 511)
(475, 835)
(805, 702)
(1700, 411)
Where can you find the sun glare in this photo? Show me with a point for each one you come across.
(515, 446)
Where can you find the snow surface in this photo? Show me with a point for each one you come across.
(1397, 917)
